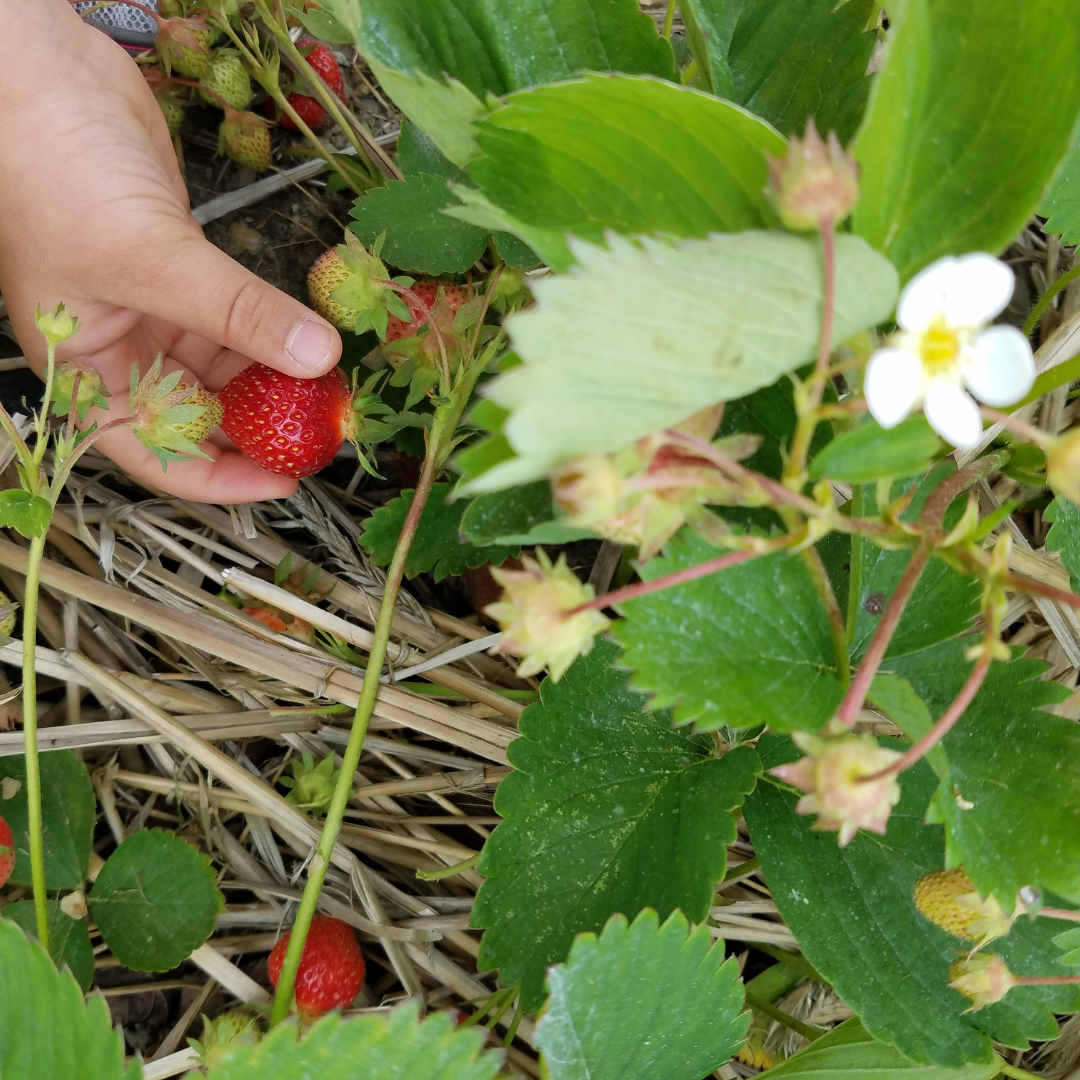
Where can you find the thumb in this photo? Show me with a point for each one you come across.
(201, 289)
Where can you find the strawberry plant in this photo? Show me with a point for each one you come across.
(737, 305)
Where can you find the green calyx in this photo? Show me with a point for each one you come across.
(171, 419)
(238, 1027)
(312, 785)
(367, 290)
(91, 391)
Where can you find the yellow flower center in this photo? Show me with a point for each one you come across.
(939, 347)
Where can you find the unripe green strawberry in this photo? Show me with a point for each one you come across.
(326, 274)
(950, 901)
(229, 78)
(168, 418)
(244, 137)
(183, 45)
(7, 615)
(198, 429)
(173, 112)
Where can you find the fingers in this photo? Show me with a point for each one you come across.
(228, 478)
(189, 282)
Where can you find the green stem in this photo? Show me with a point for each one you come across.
(854, 603)
(438, 445)
(819, 575)
(1018, 1074)
(669, 19)
(1047, 298)
(449, 871)
(33, 772)
(807, 1031)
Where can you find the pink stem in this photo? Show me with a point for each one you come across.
(1059, 913)
(1037, 588)
(680, 577)
(1046, 980)
(1017, 426)
(860, 685)
(944, 725)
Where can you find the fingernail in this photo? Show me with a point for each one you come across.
(311, 344)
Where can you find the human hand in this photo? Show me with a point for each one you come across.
(94, 213)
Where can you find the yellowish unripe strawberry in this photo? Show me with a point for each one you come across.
(983, 978)
(326, 274)
(950, 901)
(244, 137)
(7, 616)
(228, 78)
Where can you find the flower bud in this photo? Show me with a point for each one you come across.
(833, 775)
(58, 325)
(816, 185)
(533, 614)
(983, 979)
(950, 901)
(1063, 465)
(587, 490)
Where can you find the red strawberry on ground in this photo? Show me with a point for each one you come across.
(7, 855)
(289, 426)
(427, 291)
(331, 968)
(310, 109)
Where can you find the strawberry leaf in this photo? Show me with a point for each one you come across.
(419, 236)
(67, 810)
(1015, 768)
(1070, 940)
(1064, 536)
(785, 60)
(518, 515)
(952, 161)
(437, 548)
(611, 810)
(642, 1002)
(46, 1030)
(597, 373)
(851, 1052)
(694, 647)
(698, 163)
(389, 1048)
(852, 914)
(155, 901)
(1061, 206)
(69, 940)
(27, 514)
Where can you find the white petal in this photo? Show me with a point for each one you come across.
(952, 414)
(1002, 370)
(924, 296)
(981, 290)
(893, 385)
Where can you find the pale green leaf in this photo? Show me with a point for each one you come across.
(399, 1046)
(750, 645)
(27, 514)
(868, 453)
(610, 810)
(67, 812)
(641, 335)
(642, 1002)
(629, 154)
(850, 1052)
(69, 939)
(1013, 765)
(155, 900)
(786, 60)
(962, 135)
(47, 1032)
(851, 911)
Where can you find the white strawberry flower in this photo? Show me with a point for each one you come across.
(945, 350)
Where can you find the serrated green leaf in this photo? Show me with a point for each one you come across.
(518, 515)
(750, 645)
(1070, 940)
(852, 914)
(437, 547)
(325, 27)
(850, 1052)
(389, 1047)
(961, 137)
(896, 698)
(864, 455)
(642, 1002)
(27, 514)
(639, 336)
(69, 940)
(417, 154)
(1064, 536)
(432, 57)
(67, 812)
(786, 60)
(611, 810)
(559, 159)
(155, 901)
(1061, 207)
(47, 1032)
(419, 236)
(1018, 766)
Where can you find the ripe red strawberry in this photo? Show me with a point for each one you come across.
(289, 426)
(309, 108)
(331, 968)
(428, 291)
(7, 857)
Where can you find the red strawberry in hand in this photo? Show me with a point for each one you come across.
(331, 969)
(427, 291)
(310, 109)
(289, 426)
(7, 851)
